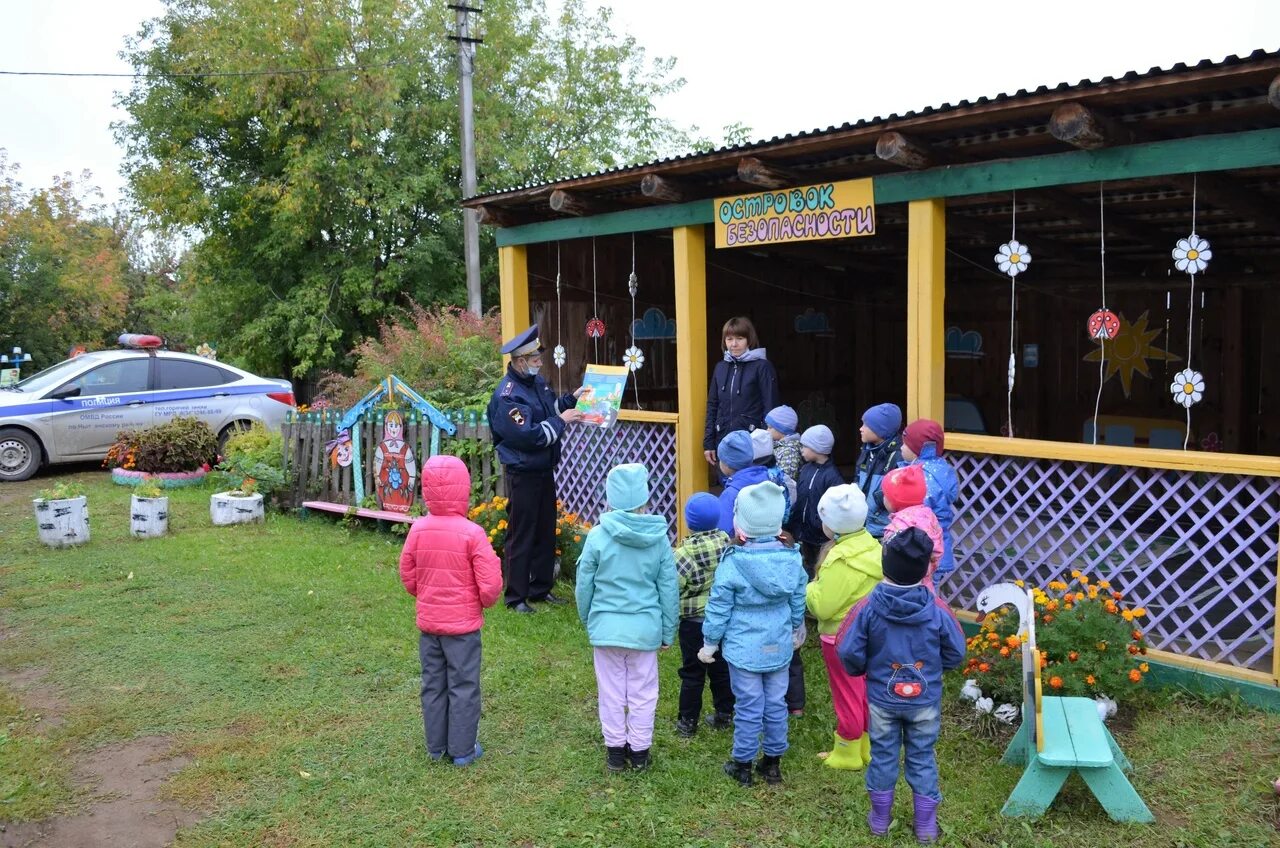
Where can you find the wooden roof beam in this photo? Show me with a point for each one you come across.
(496, 216)
(665, 189)
(756, 172)
(1273, 93)
(908, 152)
(1076, 124)
(572, 203)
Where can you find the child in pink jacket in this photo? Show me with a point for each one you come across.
(904, 490)
(448, 564)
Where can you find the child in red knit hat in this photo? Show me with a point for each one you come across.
(922, 445)
(904, 491)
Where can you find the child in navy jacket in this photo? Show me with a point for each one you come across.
(817, 475)
(902, 637)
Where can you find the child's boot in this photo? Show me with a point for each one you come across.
(686, 727)
(864, 743)
(640, 760)
(926, 818)
(881, 812)
(845, 754)
(770, 769)
(720, 721)
(615, 758)
(739, 771)
(469, 758)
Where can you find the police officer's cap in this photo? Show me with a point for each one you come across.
(524, 343)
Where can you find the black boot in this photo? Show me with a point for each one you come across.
(740, 772)
(720, 721)
(686, 727)
(770, 769)
(615, 759)
(640, 760)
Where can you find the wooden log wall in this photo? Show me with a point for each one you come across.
(312, 475)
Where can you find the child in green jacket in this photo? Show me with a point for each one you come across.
(848, 573)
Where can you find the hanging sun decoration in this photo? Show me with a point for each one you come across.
(1012, 258)
(1192, 255)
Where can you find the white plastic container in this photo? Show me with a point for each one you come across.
(148, 517)
(64, 522)
(229, 508)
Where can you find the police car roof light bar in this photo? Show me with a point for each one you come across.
(138, 340)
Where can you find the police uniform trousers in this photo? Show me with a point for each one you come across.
(530, 549)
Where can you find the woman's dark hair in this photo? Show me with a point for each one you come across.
(740, 326)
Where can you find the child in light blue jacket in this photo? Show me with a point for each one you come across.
(629, 600)
(755, 618)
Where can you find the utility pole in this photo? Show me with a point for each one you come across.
(470, 224)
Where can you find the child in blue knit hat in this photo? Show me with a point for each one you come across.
(881, 433)
(755, 619)
(736, 454)
(628, 600)
(782, 422)
(697, 556)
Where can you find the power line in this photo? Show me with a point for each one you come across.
(336, 69)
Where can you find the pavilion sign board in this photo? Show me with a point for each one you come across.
(806, 213)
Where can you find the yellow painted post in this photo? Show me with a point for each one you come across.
(926, 287)
(1275, 632)
(690, 253)
(513, 288)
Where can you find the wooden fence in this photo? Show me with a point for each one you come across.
(313, 475)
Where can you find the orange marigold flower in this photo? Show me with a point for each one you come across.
(1135, 675)
(1068, 605)
(1048, 618)
(1133, 649)
(1013, 641)
(577, 538)
(1137, 634)
(1111, 607)
(1073, 656)
(1044, 660)
(984, 666)
(1051, 606)
(1090, 679)
(1143, 650)
(1004, 652)
(1118, 595)
(993, 637)
(1055, 682)
(557, 531)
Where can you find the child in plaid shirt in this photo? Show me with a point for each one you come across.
(697, 556)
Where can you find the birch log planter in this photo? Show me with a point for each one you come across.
(148, 517)
(62, 522)
(235, 508)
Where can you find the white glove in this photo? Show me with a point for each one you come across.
(798, 636)
(708, 653)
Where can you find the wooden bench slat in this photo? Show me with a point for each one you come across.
(1058, 750)
(1088, 734)
(342, 509)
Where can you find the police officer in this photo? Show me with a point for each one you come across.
(527, 421)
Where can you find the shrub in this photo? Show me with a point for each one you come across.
(253, 458)
(62, 490)
(571, 533)
(446, 354)
(180, 444)
(1090, 643)
(148, 488)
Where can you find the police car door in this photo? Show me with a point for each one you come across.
(192, 389)
(98, 404)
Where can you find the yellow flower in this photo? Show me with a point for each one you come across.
(557, 531)
(1144, 668)
(502, 525)
(1103, 584)
(1019, 584)
(1084, 578)
(1076, 573)
(1102, 646)
(1140, 612)
(1127, 615)
(577, 538)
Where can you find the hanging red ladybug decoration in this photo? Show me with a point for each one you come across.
(595, 328)
(1103, 324)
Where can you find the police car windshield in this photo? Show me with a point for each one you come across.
(56, 374)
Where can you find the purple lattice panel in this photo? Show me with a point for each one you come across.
(1197, 549)
(589, 452)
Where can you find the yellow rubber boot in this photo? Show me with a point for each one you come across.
(845, 754)
(865, 744)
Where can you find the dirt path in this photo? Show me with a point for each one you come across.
(123, 781)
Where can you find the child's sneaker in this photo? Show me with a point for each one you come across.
(739, 771)
(770, 769)
(796, 713)
(640, 760)
(686, 727)
(469, 758)
(615, 759)
(720, 721)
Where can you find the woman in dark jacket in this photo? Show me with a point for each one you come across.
(744, 386)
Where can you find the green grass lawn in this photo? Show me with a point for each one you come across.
(282, 658)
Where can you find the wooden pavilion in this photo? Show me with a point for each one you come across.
(864, 255)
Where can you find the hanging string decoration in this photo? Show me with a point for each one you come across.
(1108, 323)
(1190, 255)
(557, 353)
(1012, 258)
(633, 357)
(595, 327)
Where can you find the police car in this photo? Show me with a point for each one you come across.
(72, 411)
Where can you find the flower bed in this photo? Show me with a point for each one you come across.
(570, 532)
(1090, 645)
(165, 479)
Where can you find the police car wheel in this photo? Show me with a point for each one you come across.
(235, 428)
(19, 455)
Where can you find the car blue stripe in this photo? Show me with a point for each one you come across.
(111, 401)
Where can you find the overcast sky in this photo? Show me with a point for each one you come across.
(778, 67)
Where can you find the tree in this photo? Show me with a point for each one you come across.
(63, 269)
(327, 201)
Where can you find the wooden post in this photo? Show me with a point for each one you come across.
(513, 289)
(926, 265)
(690, 253)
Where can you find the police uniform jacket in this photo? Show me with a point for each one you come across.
(524, 417)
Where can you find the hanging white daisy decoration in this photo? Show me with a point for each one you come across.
(1187, 388)
(557, 356)
(1192, 254)
(633, 358)
(1013, 257)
